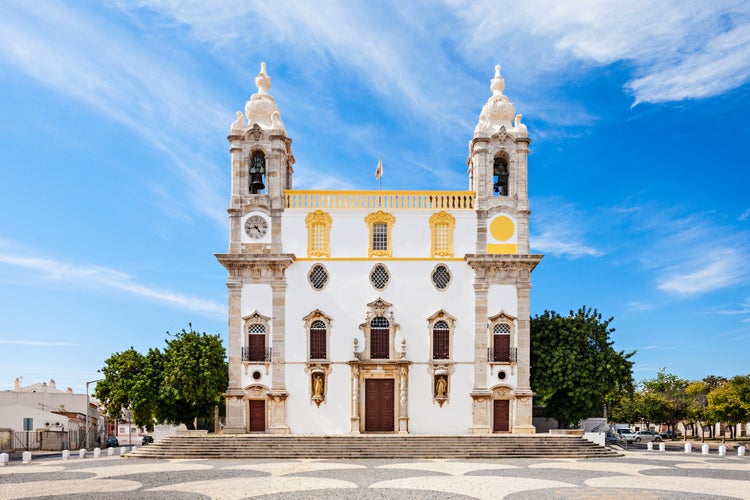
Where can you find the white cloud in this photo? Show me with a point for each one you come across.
(678, 49)
(559, 228)
(744, 215)
(719, 269)
(81, 55)
(103, 277)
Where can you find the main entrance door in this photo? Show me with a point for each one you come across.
(257, 415)
(379, 405)
(501, 415)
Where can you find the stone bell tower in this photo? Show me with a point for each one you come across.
(498, 175)
(261, 169)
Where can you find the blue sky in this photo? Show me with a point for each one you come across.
(115, 165)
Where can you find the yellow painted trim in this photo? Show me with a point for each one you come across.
(438, 219)
(380, 217)
(370, 259)
(379, 200)
(319, 217)
(502, 248)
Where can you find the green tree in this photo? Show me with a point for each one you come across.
(574, 368)
(725, 405)
(668, 401)
(131, 382)
(194, 377)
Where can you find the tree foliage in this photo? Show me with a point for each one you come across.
(574, 368)
(194, 377)
(179, 385)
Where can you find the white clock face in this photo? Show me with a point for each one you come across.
(256, 227)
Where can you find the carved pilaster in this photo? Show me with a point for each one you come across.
(481, 412)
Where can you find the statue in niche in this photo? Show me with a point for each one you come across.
(441, 387)
(317, 388)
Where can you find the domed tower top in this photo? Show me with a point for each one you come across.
(261, 108)
(499, 112)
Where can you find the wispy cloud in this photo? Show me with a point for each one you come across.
(744, 215)
(690, 252)
(103, 277)
(678, 49)
(559, 228)
(86, 57)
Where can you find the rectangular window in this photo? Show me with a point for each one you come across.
(379, 343)
(256, 348)
(440, 344)
(501, 348)
(318, 240)
(442, 244)
(380, 237)
(317, 343)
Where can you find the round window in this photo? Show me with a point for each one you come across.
(379, 277)
(441, 277)
(501, 375)
(318, 277)
(256, 375)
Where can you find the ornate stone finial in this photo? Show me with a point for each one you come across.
(261, 108)
(263, 81)
(239, 123)
(497, 84)
(499, 112)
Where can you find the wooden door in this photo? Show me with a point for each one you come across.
(257, 415)
(379, 405)
(501, 415)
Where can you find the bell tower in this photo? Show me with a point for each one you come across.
(261, 169)
(498, 175)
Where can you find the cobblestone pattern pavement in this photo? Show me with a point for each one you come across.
(637, 475)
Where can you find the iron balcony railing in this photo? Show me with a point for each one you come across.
(512, 356)
(254, 356)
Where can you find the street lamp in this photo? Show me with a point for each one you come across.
(86, 429)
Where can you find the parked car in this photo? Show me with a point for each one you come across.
(624, 433)
(646, 436)
(613, 438)
(112, 442)
(147, 439)
(667, 435)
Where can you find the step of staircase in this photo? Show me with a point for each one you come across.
(373, 446)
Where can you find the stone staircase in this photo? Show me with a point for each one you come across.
(373, 446)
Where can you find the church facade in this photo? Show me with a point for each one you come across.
(378, 311)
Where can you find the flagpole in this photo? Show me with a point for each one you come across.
(380, 179)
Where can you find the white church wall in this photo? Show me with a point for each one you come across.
(426, 416)
(502, 297)
(333, 415)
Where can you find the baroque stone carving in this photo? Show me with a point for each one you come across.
(261, 108)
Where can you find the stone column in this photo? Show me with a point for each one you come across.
(277, 394)
(354, 429)
(522, 423)
(235, 408)
(480, 394)
(403, 417)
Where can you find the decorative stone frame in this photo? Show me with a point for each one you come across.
(316, 315)
(441, 371)
(372, 271)
(318, 371)
(439, 219)
(380, 217)
(504, 392)
(255, 391)
(322, 220)
(441, 315)
(255, 318)
(502, 318)
(379, 308)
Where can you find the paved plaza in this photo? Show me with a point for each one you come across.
(637, 475)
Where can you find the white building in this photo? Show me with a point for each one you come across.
(378, 311)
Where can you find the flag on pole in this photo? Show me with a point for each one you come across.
(379, 169)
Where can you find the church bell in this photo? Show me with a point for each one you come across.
(256, 182)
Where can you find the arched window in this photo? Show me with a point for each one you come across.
(318, 340)
(500, 176)
(257, 172)
(379, 341)
(440, 340)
